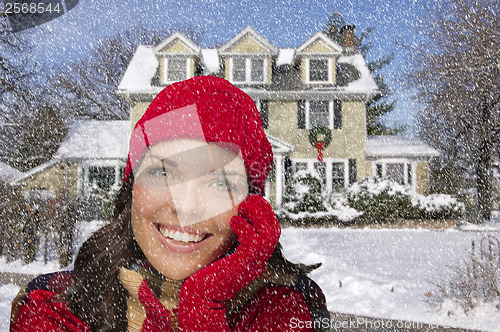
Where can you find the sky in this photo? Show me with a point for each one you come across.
(285, 23)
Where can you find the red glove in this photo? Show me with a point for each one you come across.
(41, 313)
(157, 316)
(203, 297)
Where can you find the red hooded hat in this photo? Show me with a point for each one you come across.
(225, 114)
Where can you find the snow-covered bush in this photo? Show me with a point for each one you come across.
(305, 203)
(382, 201)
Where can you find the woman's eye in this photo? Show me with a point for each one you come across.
(222, 184)
(159, 172)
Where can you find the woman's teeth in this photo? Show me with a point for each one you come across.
(181, 236)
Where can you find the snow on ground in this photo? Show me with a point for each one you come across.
(380, 273)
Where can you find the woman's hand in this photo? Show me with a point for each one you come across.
(204, 295)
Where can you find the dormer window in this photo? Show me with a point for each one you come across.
(248, 70)
(319, 71)
(176, 69)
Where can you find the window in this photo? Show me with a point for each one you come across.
(239, 70)
(176, 69)
(331, 171)
(247, 70)
(300, 166)
(319, 113)
(338, 177)
(101, 177)
(318, 70)
(311, 113)
(257, 71)
(320, 168)
(397, 171)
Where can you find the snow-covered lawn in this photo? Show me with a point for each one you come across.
(380, 273)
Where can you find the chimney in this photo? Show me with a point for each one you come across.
(347, 33)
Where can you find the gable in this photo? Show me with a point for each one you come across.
(176, 46)
(319, 44)
(248, 44)
(248, 41)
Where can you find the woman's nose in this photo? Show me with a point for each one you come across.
(187, 202)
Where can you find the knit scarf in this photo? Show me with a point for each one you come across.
(167, 292)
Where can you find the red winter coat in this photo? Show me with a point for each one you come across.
(272, 308)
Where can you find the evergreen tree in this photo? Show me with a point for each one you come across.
(380, 105)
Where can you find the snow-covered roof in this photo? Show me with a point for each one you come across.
(388, 146)
(139, 76)
(94, 139)
(286, 56)
(210, 59)
(8, 173)
(365, 81)
(140, 71)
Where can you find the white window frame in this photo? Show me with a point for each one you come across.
(403, 161)
(165, 68)
(329, 162)
(83, 185)
(330, 71)
(248, 70)
(330, 114)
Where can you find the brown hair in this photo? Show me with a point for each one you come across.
(98, 298)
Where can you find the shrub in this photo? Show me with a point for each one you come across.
(305, 203)
(475, 280)
(384, 201)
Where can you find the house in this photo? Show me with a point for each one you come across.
(319, 83)
(311, 100)
(93, 154)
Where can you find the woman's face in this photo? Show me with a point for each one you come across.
(184, 195)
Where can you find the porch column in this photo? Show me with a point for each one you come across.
(279, 179)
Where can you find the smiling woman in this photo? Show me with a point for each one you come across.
(193, 246)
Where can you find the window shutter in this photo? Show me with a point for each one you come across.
(352, 171)
(264, 113)
(301, 114)
(409, 175)
(337, 114)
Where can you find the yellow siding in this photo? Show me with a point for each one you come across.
(318, 46)
(176, 47)
(136, 112)
(272, 193)
(248, 45)
(55, 179)
(423, 178)
(226, 69)
(269, 77)
(348, 142)
(303, 70)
